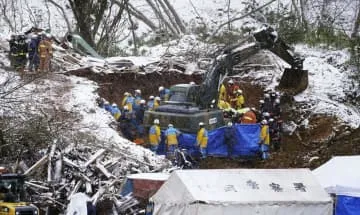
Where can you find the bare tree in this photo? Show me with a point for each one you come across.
(176, 16)
(61, 9)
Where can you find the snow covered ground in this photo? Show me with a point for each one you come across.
(328, 81)
(76, 96)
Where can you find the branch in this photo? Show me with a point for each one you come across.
(241, 17)
(63, 13)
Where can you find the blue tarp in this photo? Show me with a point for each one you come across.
(347, 205)
(246, 144)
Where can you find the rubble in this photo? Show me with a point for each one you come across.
(60, 174)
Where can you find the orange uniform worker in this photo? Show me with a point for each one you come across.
(45, 53)
(249, 117)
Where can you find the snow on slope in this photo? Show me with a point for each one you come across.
(96, 120)
(77, 96)
(328, 81)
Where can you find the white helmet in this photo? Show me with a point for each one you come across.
(170, 125)
(266, 114)
(156, 121)
(142, 101)
(161, 88)
(138, 91)
(261, 101)
(157, 98)
(271, 120)
(267, 95)
(106, 103)
(201, 124)
(192, 83)
(253, 109)
(126, 107)
(264, 122)
(114, 105)
(239, 91)
(151, 97)
(229, 124)
(126, 94)
(277, 101)
(230, 81)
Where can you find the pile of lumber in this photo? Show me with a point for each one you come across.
(99, 173)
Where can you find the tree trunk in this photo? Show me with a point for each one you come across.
(138, 14)
(132, 29)
(176, 16)
(161, 17)
(167, 12)
(356, 25)
(302, 12)
(63, 13)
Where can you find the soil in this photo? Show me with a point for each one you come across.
(323, 138)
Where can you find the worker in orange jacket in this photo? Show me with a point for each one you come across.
(45, 53)
(249, 117)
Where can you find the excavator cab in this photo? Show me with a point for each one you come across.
(12, 195)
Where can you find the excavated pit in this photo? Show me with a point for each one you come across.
(297, 149)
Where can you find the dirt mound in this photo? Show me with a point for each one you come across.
(114, 85)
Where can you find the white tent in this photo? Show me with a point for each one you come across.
(242, 191)
(340, 175)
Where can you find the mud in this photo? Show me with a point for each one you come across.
(322, 138)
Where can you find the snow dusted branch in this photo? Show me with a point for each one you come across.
(63, 13)
(241, 17)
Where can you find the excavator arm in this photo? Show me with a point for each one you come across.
(265, 38)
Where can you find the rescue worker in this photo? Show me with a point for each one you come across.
(223, 105)
(115, 111)
(155, 136)
(240, 101)
(276, 109)
(222, 93)
(231, 88)
(150, 103)
(171, 141)
(202, 140)
(137, 99)
(139, 113)
(126, 124)
(44, 53)
(107, 106)
(249, 117)
(264, 140)
(267, 103)
(164, 93)
(266, 116)
(261, 105)
(123, 102)
(274, 132)
(22, 49)
(12, 48)
(157, 102)
(33, 53)
(130, 100)
(48, 42)
(229, 136)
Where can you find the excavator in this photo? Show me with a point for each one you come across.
(190, 104)
(12, 194)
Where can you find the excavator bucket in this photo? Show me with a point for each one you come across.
(294, 81)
